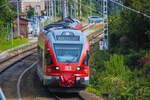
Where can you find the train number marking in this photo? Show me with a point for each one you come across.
(68, 68)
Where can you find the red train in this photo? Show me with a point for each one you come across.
(63, 54)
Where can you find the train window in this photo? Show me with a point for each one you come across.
(86, 60)
(48, 58)
(68, 53)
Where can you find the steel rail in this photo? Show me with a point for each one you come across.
(6, 63)
(20, 78)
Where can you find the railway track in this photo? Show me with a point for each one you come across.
(95, 36)
(10, 78)
(17, 55)
(17, 70)
(20, 78)
(20, 82)
(87, 26)
(35, 90)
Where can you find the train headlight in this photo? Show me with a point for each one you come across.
(56, 68)
(79, 68)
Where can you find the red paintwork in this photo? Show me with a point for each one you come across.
(78, 26)
(65, 80)
(82, 73)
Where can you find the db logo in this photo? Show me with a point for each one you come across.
(68, 68)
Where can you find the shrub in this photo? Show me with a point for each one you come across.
(96, 64)
(132, 59)
(116, 77)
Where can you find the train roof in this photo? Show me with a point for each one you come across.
(67, 22)
(66, 36)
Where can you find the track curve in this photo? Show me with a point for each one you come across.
(19, 80)
(31, 87)
(34, 90)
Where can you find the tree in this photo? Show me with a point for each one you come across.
(6, 17)
(137, 25)
(131, 30)
(30, 12)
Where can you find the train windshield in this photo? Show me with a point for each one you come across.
(68, 53)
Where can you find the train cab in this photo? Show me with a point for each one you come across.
(63, 55)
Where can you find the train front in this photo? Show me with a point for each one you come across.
(67, 60)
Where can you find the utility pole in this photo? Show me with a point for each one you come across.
(55, 10)
(104, 42)
(90, 7)
(71, 11)
(65, 8)
(101, 5)
(49, 5)
(52, 10)
(12, 42)
(46, 10)
(18, 26)
(58, 6)
(75, 10)
(62, 11)
(80, 9)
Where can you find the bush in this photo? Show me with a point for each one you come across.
(96, 64)
(132, 59)
(115, 77)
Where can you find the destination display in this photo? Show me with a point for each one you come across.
(68, 38)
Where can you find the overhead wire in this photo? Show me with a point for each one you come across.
(89, 8)
(136, 11)
(131, 9)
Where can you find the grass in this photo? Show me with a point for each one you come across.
(84, 20)
(95, 28)
(93, 90)
(16, 42)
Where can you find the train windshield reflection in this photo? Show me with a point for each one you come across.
(68, 53)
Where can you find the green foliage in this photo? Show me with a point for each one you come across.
(30, 12)
(125, 76)
(6, 17)
(132, 59)
(113, 78)
(115, 66)
(130, 30)
(97, 62)
(5, 13)
(3, 31)
(90, 88)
